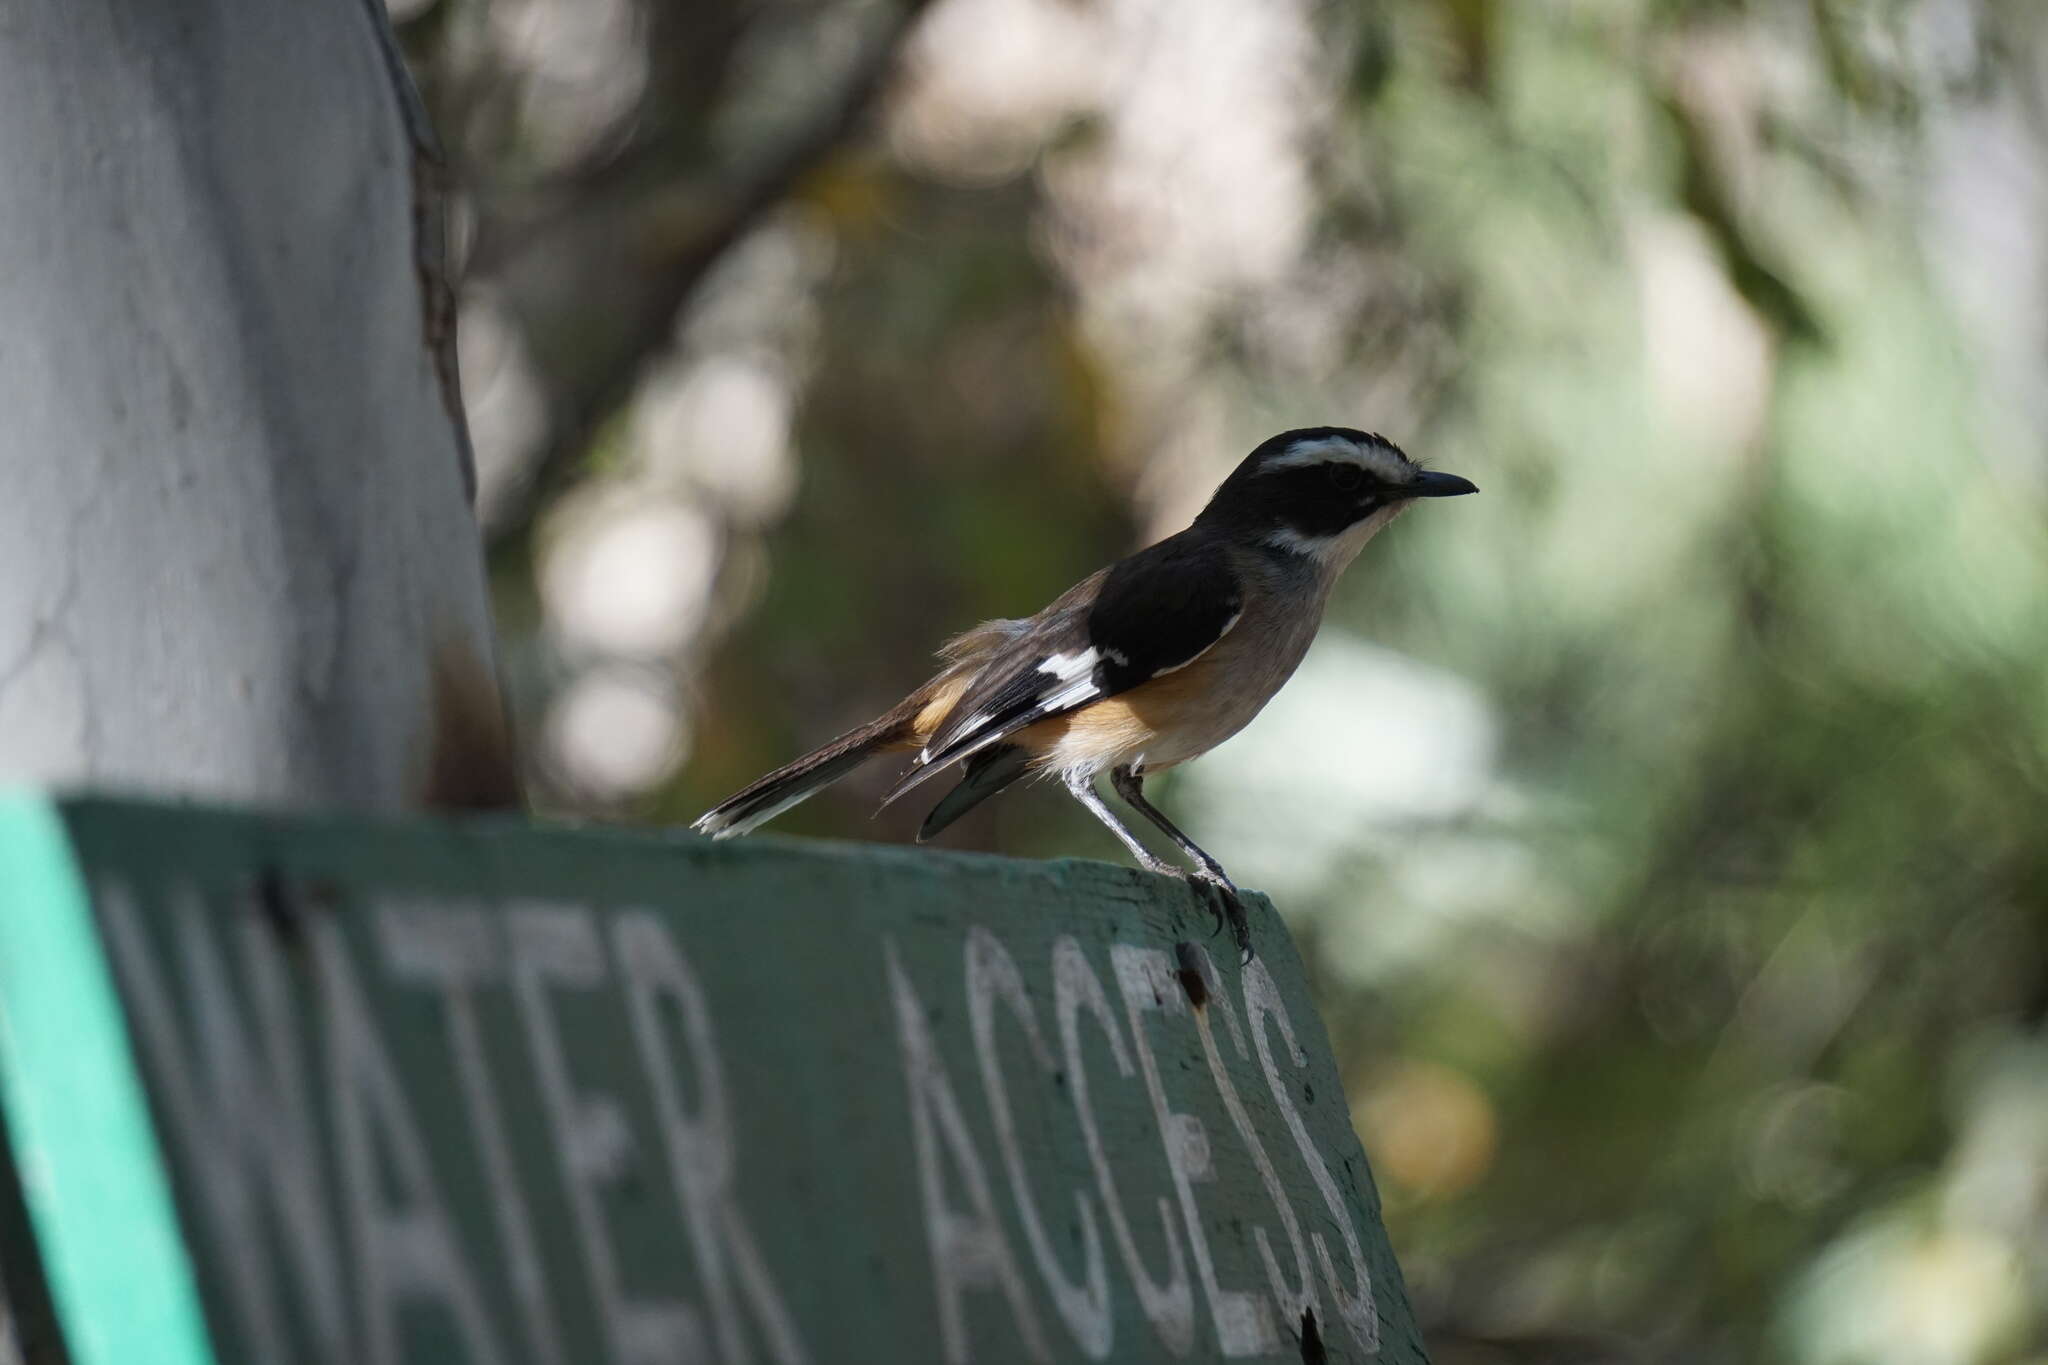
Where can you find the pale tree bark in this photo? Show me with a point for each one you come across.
(237, 555)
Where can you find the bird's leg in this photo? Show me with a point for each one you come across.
(1083, 790)
(1130, 785)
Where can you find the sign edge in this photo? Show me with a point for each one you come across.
(88, 1159)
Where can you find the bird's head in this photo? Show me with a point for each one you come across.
(1322, 492)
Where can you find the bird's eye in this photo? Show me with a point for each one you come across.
(1346, 476)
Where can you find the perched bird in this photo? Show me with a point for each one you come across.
(1148, 663)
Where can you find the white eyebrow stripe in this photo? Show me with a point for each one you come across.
(1376, 459)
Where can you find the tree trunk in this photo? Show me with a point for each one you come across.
(237, 555)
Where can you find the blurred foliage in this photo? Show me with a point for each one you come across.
(1680, 908)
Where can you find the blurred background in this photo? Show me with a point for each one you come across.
(1664, 828)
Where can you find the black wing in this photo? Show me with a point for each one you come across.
(1148, 615)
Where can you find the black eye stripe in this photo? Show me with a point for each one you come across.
(1345, 475)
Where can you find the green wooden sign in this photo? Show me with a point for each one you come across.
(333, 1091)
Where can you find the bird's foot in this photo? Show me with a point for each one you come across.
(1153, 863)
(1228, 907)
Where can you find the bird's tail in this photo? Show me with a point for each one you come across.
(988, 772)
(767, 798)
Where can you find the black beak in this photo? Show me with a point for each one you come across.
(1431, 484)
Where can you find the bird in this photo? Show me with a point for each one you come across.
(1141, 666)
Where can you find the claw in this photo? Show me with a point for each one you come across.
(1228, 909)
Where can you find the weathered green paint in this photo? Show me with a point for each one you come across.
(78, 1132)
(477, 1092)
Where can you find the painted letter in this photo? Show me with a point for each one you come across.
(558, 946)
(992, 972)
(1261, 1002)
(1169, 1307)
(454, 951)
(241, 1116)
(969, 1250)
(1244, 1327)
(405, 1250)
(1293, 1302)
(700, 1143)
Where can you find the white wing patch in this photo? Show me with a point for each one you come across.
(1077, 671)
(1069, 667)
(1380, 460)
(1073, 694)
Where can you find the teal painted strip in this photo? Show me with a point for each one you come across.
(73, 1102)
